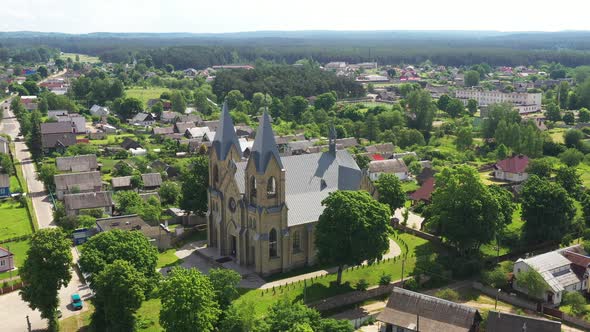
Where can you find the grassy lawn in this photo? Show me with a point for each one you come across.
(168, 259)
(557, 134)
(584, 171)
(19, 249)
(14, 220)
(14, 184)
(145, 94)
(111, 139)
(410, 186)
(83, 57)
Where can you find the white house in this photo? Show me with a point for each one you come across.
(390, 166)
(142, 119)
(563, 270)
(512, 169)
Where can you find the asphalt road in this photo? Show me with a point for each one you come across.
(14, 309)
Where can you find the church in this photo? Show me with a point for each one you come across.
(263, 209)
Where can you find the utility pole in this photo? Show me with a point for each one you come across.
(403, 266)
(28, 324)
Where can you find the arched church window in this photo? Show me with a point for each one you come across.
(252, 188)
(215, 174)
(272, 243)
(271, 187)
(296, 241)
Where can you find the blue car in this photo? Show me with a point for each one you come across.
(77, 302)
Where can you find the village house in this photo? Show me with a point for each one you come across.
(80, 163)
(168, 117)
(160, 166)
(396, 167)
(151, 181)
(129, 143)
(6, 260)
(53, 114)
(260, 212)
(77, 121)
(99, 111)
(4, 145)
(408, 311)
(121, 183)
(507, 322)
(4, 185)
(564, 270)
(30, 102)
(74, 203)
(512, 169)
(190, 72)
(181, 127)
(163, 131)
(157, 235)
(424, 193)
(142, 119)
(73, 183)
(57, 135)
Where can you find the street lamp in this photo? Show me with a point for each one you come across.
(497, 295)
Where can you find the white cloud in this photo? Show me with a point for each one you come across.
(82, 16)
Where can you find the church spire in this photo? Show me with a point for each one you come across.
(332, 140)
(264, 145)
(225, 137)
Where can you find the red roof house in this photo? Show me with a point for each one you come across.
(424, 193)
(512, 169)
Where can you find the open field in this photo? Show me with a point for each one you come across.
(14, 220)
(83, 57)
(145, 94)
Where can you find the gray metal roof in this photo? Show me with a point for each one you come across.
(506, 322)
(309, 179)
(264, 145)
(152, 179)
(225, 135)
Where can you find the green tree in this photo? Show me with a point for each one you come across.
(325, 101)
(569, 118)
(240, 317)
(497, 278)
(572, 138)
(472, 106)
(158, 109)
(372, 127)
(390, 191)
(455, 108)
(541, 167)
(576, 301)
(31, 87)
(422, 109)
(443, 102)
(464, 138)
(502, 152)
(6, 164)
(178, 102)
(46, 175)
(45, 271)
(233, 98)
(585, 201)
(225, 285)
(583, 93)
(471, 78)
(362, 161)
(188, 302)
(447, 294)
(547, 210)
(169, 192)
(43, 106)
(410, 137)
(584, 115)
(571, 157)
(119, 291)
(352, 228)
(463, 209)
(106, 247)
(127, 107)
(42, 70)
(533, 282)
(569, 179)
(497, 113)
(195, 181)
(34, 137)
(128, 202)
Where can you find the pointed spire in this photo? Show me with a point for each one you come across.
(332, 139)
(264, 145)
(225, 136)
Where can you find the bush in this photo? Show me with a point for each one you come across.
(411, 284)
(448, 294)
(576, 301)
(571, 157)
(385, 280)
(362, 285)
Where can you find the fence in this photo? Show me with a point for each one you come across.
(12, 288)
(567, 318)
(512, 299)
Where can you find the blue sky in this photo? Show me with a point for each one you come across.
(83, 16)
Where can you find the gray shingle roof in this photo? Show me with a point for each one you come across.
(225, 135)
(264, 146)
(88, 200)
(309, 179)
(506, 322)
(56, 127)
(388, 166)
(82, 181)
(82, 163)
(121, 181)
(436, 315)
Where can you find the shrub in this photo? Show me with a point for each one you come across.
(448, 294)
(362, 285)
(411, 284)
(576, 301)
(385, 280)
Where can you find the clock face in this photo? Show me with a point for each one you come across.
(232, 204)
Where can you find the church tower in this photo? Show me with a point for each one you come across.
(265, 197)
(225, 152)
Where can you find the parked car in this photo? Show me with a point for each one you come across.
(77, 301)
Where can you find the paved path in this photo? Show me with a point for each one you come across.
(251, 280)
(414, 220)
